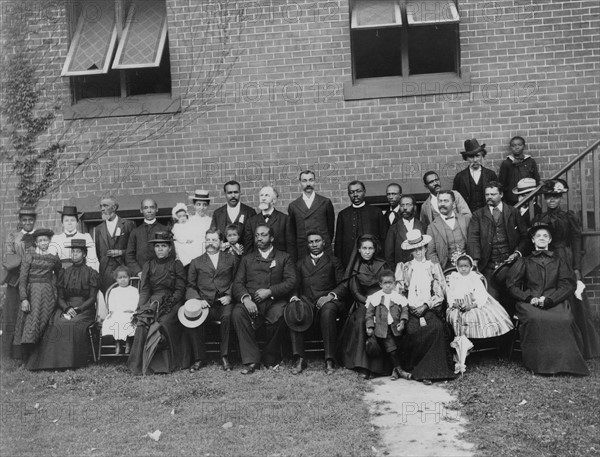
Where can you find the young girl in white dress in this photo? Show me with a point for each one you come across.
(473, 312)
(122, 302)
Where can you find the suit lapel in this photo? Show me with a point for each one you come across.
(318, 201)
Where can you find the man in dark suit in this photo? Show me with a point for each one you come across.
(397, 233)
(263, 284)
(356, 220)
(311, 211)
(278, 221)
(210, 278)
(391, 214)
(138, 249)
(17, 244)
(111, 238)
(234, 212)
(429, 209)
(496, 234)
(320, 278)
(471, 181)
(448, 231)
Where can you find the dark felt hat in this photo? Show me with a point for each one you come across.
(372, 347)
(472, 147)
(555, 187)
(70, 211)
(27, 211)
(42, 232)
(537, 226)
(298, 315)
(76, 243)
(162, 237)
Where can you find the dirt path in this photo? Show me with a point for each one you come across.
(416, 420)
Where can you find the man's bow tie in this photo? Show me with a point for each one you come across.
(449, 217)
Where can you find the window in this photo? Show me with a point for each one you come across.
(119, 50)
(403, 47)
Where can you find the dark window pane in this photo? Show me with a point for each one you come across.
(97, 86)
(376, 52)
(151, 80)
(432, 49)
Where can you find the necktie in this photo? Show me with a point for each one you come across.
(496, 213)
(267, 218)
(392, 217)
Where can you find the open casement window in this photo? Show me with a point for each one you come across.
(119, 48)
(395, 42)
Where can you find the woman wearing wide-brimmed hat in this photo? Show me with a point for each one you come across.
(426, 343)
(37, 291)
(567, 243)
(156, 344)
(542, 283)
(65, 343)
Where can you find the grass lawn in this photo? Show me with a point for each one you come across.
(515, 413)
(102, 410)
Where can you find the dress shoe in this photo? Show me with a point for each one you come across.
(365, 374)
(299, 366)
(197, 365)
(250, 368)
(329, 369)
(226, 364)
(399, 373)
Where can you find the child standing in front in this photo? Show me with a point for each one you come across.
(122, 302)
(515, 167)
(387, 313)
(232, 246)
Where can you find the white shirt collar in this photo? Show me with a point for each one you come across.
(308, 200)
(409, 224)
(234, 211)
(269, 214)
(149, 222)
(265, 255)
(499, 207)
(359, 206)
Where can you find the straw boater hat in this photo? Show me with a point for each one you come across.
(179, 207)
(555, 187)
(201, 196)
(524, 186)
(191, 314)
(161, 237)
(42, 232)
(298, 315)
(415, 239)
(27, 211)
(472, 148)
(77, 243)
(70, 211)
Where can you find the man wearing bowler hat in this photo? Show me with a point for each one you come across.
(234, 212)
(497, 235)
(471, 181)
(319, 292)
(139, 249)
(111, 237)
(17, 244)
(209, 280)
(263, 284)
(69, 218)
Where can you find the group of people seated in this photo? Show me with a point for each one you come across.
(386, 290)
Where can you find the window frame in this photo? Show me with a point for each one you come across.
(407, 85)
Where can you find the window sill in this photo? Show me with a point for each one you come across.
(138, 105)
(397, 86)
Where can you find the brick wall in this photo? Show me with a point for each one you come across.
(534, 70)
(592, 282)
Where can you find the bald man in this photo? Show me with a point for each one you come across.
(279, 222)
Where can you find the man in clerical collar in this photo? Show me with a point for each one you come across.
(393, 193)
(429, 210)
(356, 220)
(497, 235)
(263, 284)
(234, 211)
(138, 249)
(311, 211)
(471, 181)
(448, 231)
(16, 245)
(111, 237)
(279, 222)
(397, 233)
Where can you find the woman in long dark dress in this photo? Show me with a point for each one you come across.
(365, 264)
(37, 290)
(542, 283)
(156, 344)
(426, 343)
(66, 340)
(567, 243)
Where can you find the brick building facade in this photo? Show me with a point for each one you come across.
(283, 95)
